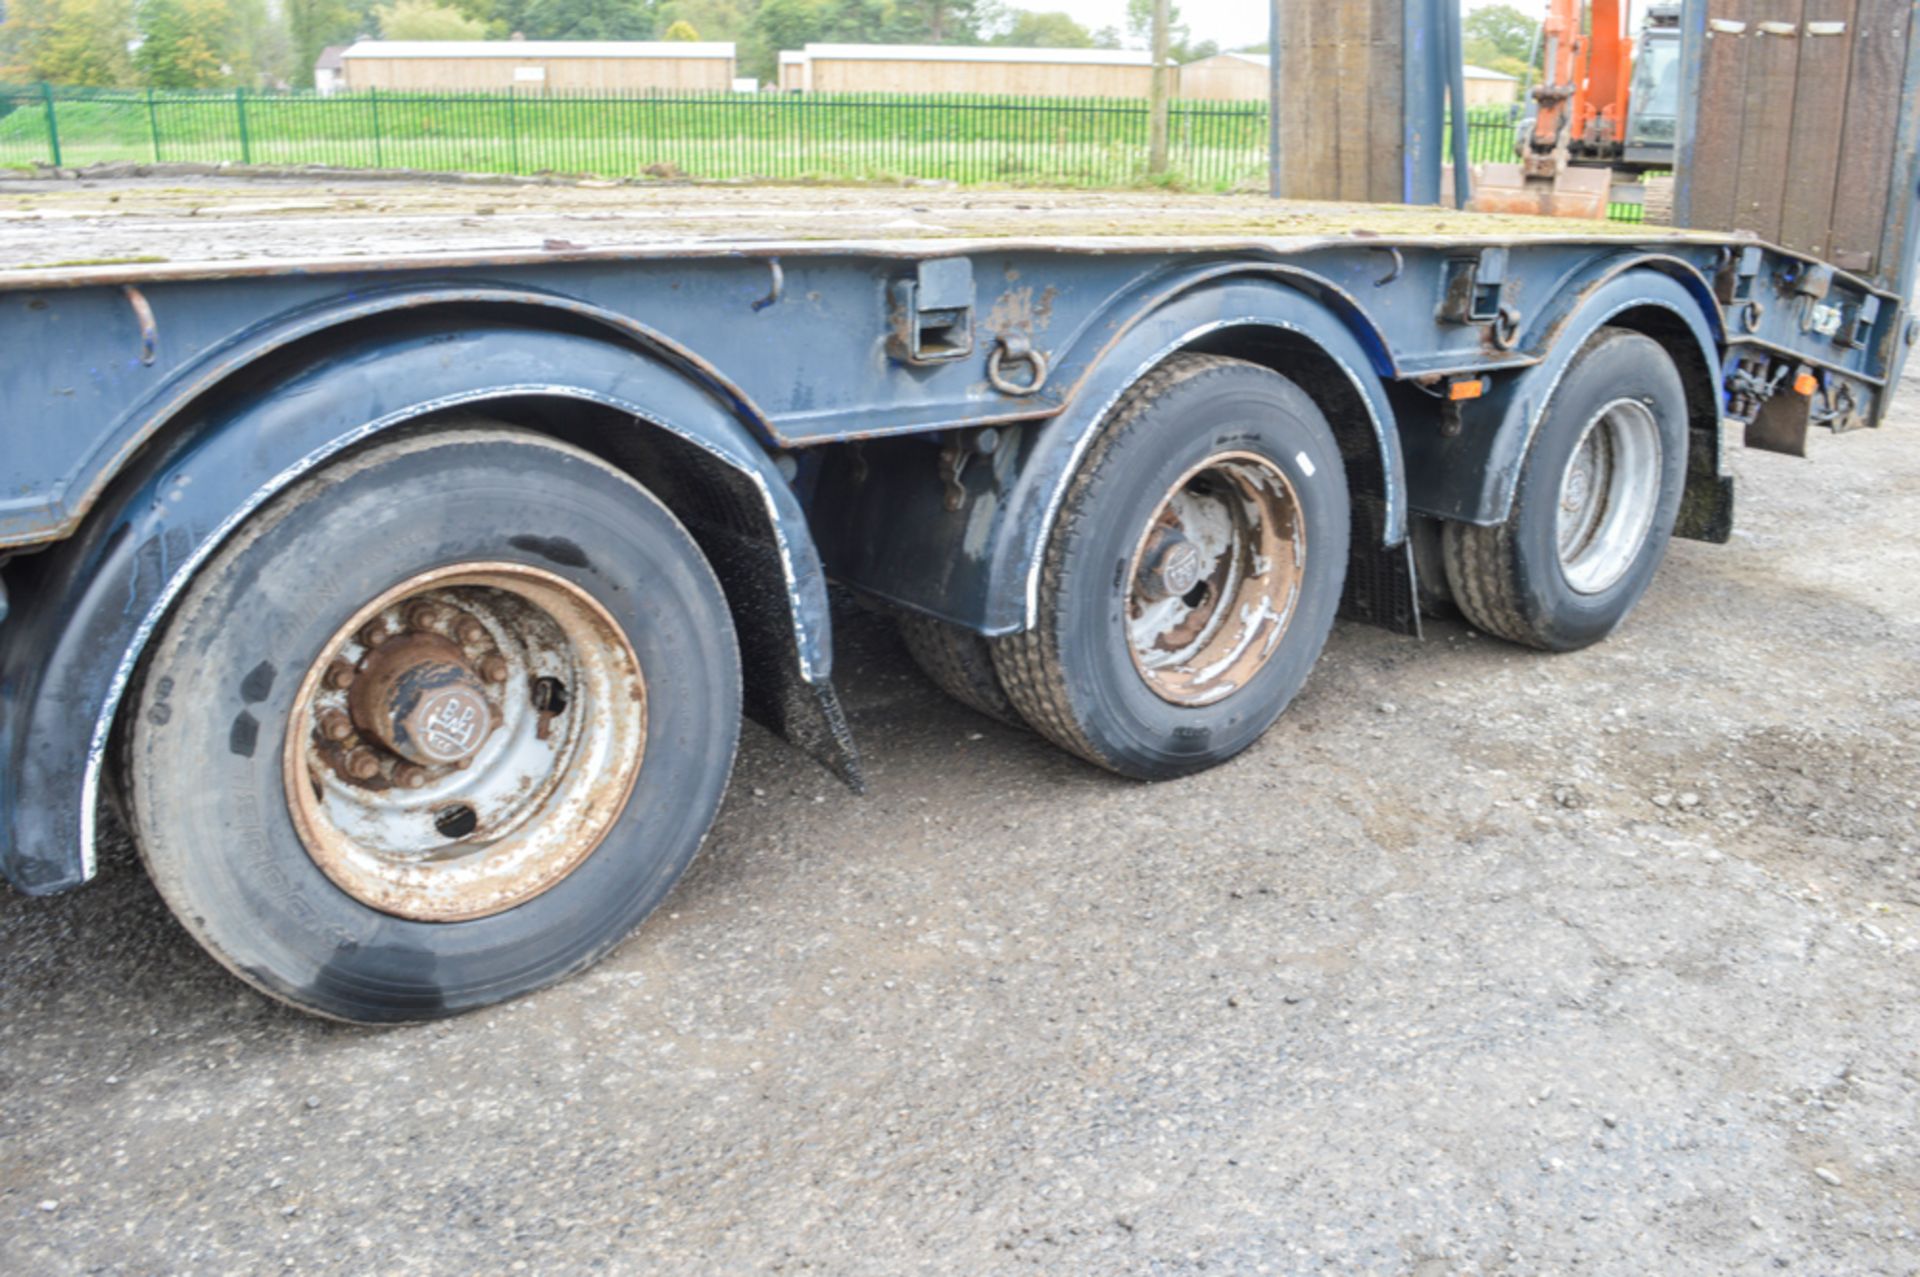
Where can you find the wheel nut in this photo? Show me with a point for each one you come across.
(410, 777)
(362, 765)
(335, 726)
(373, 634)
(340, 676)
(494, 669)
(471, 631)
(423, 616)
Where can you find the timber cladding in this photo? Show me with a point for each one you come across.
(533, 66)
(1340, 122)
(1796, 132)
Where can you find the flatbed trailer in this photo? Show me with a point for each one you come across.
(405, 604)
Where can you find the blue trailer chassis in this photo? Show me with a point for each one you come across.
(901, 417)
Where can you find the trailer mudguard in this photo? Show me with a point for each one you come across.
(86, 608)
(1469, 476)
(887, 526)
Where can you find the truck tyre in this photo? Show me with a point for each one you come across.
(1594, 508)
(1192, 576)
(438, 726)
(960, 663)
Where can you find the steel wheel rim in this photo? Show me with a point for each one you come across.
(1215, 579)
(1609, 492)
(415, 819)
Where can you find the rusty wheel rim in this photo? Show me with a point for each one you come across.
(1215, 579)
(465, 741)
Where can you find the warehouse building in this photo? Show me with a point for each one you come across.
(1243, 76)
(915, 68)
(628, 66)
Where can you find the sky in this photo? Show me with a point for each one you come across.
(1232, 24)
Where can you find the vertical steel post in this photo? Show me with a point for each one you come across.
(1423, 104)
(53, 122)
(1273, 100)
(1457, 90)
(373, 98)
(513, 131)
(240, 112)
(1157, 123)
(153, 125)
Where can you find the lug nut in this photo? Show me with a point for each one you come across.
(335, 726)
(494, 669)
(423, 616)
(362, 766)
(340, 676)
(410, 777)
(373, 634)
(471, 631)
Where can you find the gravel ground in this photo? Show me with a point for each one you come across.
(1484, 961)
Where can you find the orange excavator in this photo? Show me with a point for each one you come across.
(1605, 111)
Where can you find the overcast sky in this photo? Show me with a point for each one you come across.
(1232, 24)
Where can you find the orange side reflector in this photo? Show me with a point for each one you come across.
(1458, 390)
(1806, 383)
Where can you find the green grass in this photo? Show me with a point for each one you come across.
(1073, 142)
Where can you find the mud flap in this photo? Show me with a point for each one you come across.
(1382, 581)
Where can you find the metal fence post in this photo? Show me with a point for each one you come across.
(373, 97)
(53, 123)
(513, 130)
(240, 110)
(153, 125)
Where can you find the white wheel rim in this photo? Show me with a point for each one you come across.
(1608, 495)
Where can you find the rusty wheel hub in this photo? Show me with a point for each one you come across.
(1215, 579)
(465, 741)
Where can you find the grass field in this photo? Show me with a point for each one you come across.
(1072, 142)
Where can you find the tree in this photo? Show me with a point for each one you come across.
(681, 30)
(315, 24)
(589, 20)
(81, 42)
(186, 44)
(426, 20)
(1506, 31)
(1053, 30)
(1181, 46)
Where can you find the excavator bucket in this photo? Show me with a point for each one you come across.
(1573, 192)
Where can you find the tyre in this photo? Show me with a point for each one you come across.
(1598, 493)
(960, 663)
(1192, 576)
(438, 726)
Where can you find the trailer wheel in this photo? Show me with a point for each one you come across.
(960, 663)
(1594, 508)
(438, 726)
(1193, 574)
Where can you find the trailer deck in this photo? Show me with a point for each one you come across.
(104, 231)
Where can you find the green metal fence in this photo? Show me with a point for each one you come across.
(1092, 142)
(1053, 141)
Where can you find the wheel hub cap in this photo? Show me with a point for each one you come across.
(1216, 579)
(417, 697)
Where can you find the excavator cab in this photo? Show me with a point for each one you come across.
(1653, 110)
